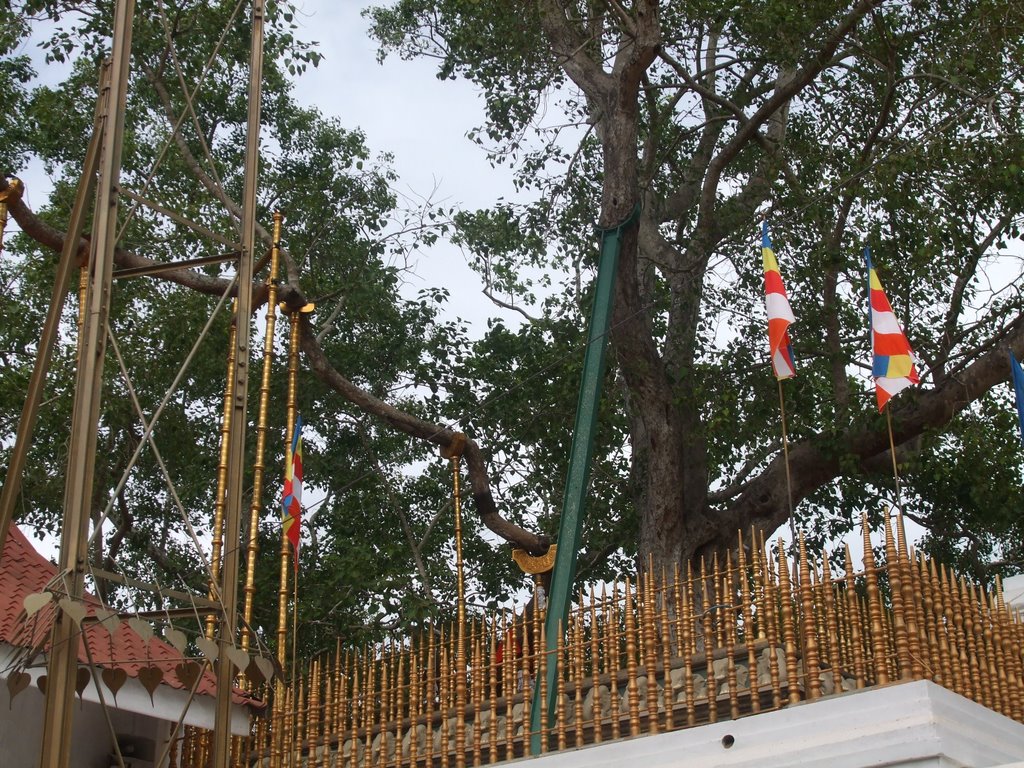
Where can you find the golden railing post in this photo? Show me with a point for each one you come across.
(727, 598)
(595, 669)
(877, 627)
(832, 632)
(911, 604)
(511, 659)
(983, 642)
(749, 635)
(541, 679)
(668, 691)
(901, 634)
(708, 635)
(353, 712)
(1011, 653)
(477, 695)
(328, 719)
(647, 632)
(789, 640)
(853, 614)
(975, 647)
(948, 663)
(312, 731)
(612, 655)
(812, 670)
(492, 690)
(632, 686)
(576, 649)
(445, 701)
(999, 663)
(962, 651)
(560, 655)
(929, 627)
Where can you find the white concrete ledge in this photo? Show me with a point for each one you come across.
(916, 724)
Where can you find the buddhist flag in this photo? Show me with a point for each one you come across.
(893, 364)
(1018, 388)
(291, 501)
(780, 315)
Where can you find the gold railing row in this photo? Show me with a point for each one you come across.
(663, 652)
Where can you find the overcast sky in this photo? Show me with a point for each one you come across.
(404, 109)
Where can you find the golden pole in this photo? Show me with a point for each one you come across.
(222, 473)
(3, 218)
(282, 595)
(259, 466)
(454, 452)
(282, 592)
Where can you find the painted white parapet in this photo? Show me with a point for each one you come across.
(917, 724)
(1013, 593)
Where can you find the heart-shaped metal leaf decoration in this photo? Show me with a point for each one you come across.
(208, 648)
(18, 682)
(188, 672)
(32, 603)
(141, 627)
(266, 667)
(41, 682)
(253, 672)
(107, 618)
(114, 678)
(176, 638)
(82, 680)
(238, 657)
(151, 677)
(73, 609)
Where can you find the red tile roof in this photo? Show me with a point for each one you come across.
(23, 571)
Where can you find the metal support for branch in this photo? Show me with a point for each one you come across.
(571, 525)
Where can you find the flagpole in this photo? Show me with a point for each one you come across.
(785, 454)
(892, 451)
(295, 611)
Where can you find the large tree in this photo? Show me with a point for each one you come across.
(891, 124)
(379, 536)
(885, 123)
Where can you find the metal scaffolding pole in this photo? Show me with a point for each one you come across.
(236, 438)
(62, 666)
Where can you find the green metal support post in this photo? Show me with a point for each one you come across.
(571, 525)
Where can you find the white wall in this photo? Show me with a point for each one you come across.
(21, 725)
(907, 725)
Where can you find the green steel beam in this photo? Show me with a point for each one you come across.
(571, 525)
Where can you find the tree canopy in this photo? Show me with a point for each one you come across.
(892, 124)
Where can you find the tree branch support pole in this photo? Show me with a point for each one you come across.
(571, 525)
(221, 757)
(62, 666)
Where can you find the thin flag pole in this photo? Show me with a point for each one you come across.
(892, 452)
(785, 456)
(295, 613)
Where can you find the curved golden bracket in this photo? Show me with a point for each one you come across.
(534, 565)
(458, 445)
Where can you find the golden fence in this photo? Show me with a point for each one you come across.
(663, 652)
